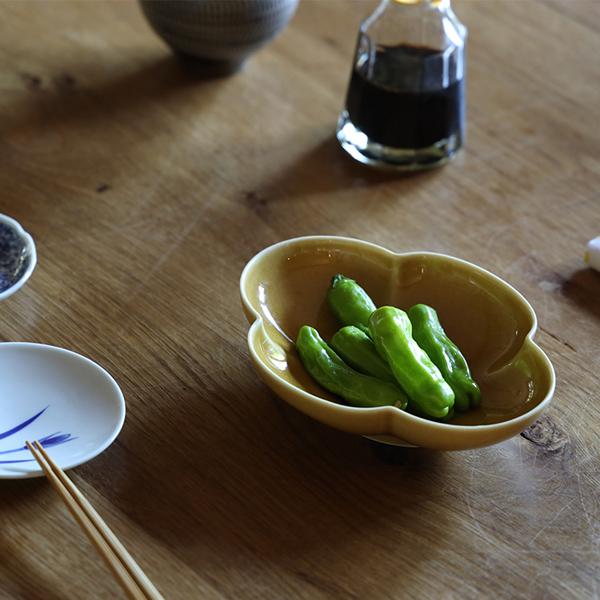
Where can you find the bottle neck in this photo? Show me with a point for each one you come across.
(419, 23)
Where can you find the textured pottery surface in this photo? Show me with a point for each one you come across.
(285, 286)
(222, 31)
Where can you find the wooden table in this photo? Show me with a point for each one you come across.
(147, 191)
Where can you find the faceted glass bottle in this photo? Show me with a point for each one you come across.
(405, 106)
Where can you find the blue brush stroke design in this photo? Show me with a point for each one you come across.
(22, 425)
(54, 439)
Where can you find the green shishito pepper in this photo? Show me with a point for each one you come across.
(330, 371)
(446, 356)
(358, 350)
(391, 332)
(350, 304)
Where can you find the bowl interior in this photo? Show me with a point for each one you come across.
(484, 316)
(16, 255)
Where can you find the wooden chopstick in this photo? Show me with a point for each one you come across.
(127, 572)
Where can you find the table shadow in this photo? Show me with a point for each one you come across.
(326, 167)
(64, 99)
(20, 568)
(20, 565)
(583, 289)
(245, 481)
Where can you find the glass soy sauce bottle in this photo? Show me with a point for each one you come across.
(405, 106)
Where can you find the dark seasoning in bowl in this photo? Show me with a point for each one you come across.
(15, 256)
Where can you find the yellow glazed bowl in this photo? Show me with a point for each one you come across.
(284, 287)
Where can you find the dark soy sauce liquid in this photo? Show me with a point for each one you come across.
(398, 99)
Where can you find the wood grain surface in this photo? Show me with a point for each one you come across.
(147, 190)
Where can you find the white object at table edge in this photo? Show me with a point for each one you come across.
(592, 254)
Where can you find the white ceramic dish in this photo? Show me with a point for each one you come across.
(17, 256)
(69, 403)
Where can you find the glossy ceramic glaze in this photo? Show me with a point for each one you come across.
(285, 285)
(64, 400)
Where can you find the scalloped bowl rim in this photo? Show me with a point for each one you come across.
(258, 322)
(30, 245)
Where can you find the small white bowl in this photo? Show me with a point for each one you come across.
(64, 400)
(17, 256)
